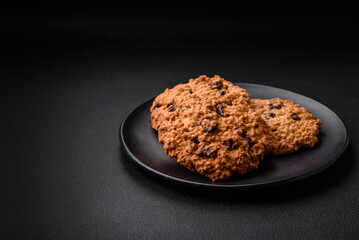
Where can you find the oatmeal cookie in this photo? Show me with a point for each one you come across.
(292, 126)
(209, 127)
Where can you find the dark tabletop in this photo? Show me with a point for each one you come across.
(68, 80)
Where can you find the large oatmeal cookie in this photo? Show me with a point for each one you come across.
(209, 127)
(292, 126)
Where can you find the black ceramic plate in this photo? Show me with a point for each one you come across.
(140, 142)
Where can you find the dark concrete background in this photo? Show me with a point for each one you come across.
(69, 78)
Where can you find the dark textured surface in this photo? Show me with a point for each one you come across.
(68, 81)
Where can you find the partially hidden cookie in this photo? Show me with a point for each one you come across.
(209, 127)
(292, 126)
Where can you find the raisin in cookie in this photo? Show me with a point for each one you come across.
(209, 127)
(292, 126)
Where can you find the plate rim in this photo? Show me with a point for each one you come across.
(232, 186)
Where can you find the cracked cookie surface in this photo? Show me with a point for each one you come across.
(209, 127)
(292, 126)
